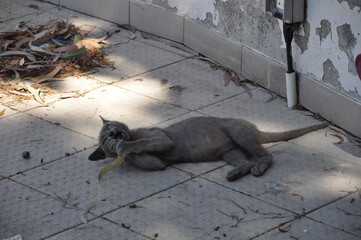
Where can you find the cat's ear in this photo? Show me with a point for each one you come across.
(103, 120)
(97, 155)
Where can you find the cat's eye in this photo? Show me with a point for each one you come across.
(107, 127)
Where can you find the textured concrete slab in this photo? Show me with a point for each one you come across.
(199, 209)
(111, 10)
(31, 18)
(191, 84)
(330, 144)
(97, 27)
(133, 58)
(300, 179)
(6, 111)
(17, 8)
(75, 179)
(98, 229)
(343, 214)
(44, 141)
(113, 103)
(306, 229)
(268, 116)
(70, 87)
(32, 214)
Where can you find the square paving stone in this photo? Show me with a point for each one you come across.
(113, 103)
(191, 84)
(323, 141)
(199, 209)
(75, 179)
(300, 180)
(344, 214)
(43, 141)
(31, 214)
(268, 116)
(306, 229)
(17, 8)
(6, 111)
(97, 27)
(98, 229)
(132, 58)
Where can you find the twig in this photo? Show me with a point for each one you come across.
(348, 213)
(263, 213)
(243, 209)
(233, 216)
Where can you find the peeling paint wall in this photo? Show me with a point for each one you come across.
(325, 45)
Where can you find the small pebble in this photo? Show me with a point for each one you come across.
(26, 155)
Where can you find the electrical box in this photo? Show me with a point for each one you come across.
(290, 11)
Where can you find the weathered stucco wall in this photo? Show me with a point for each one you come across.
(325, 45)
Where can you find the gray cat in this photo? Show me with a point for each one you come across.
(197, 139)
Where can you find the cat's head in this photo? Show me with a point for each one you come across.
(111, 130)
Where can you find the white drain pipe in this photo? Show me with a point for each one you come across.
(291, 89)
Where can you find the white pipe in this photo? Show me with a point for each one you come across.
(291, 89)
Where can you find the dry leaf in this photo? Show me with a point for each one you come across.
(10, 53)
(227, 78)
(2, 112)
(75, 53)
(35, 92)
(132, 35)
(39, 49)
(66, 48)
(284, 228)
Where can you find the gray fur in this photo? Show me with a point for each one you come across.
(197, 139)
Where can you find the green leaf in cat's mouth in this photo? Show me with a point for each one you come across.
(116, 163)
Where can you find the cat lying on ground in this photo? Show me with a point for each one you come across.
(197, 139)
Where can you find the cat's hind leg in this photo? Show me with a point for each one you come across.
(239, 161)
(146, 161)
(261, 156)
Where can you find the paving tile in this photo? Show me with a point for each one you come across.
(199, 209)
(344, 214)
(191, 84)
(307, 229)
(6, 111)
(271, 116)
(44, 141)
(113, 103)
(111, 10)
(323, 141)
(300, 180)
(30, 19)
(31, 214)
(17, 8)
(132, 58)
(97, 27)
(75, 178)
(98, 229)
(70, 87)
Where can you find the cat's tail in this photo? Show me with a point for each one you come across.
(268, 137)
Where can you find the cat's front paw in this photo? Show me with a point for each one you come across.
(119, 149)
